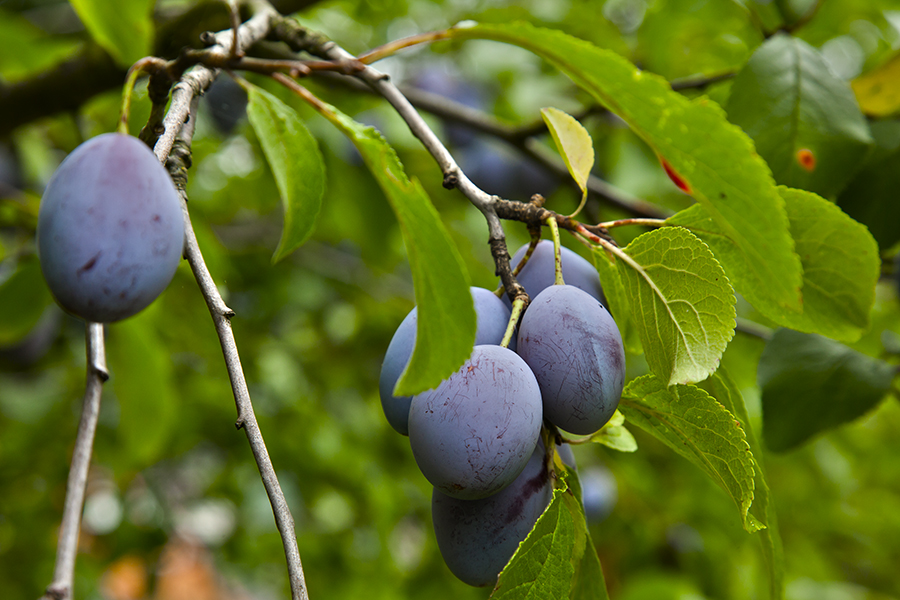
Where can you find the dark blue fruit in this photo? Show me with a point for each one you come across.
(539, 272)
(110, 229)
(493, 317)
(575, 350)
(472, 435)
(478, 537)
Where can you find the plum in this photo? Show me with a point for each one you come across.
(574, 348)
(110, 230)
(539, 272)
(493, 317)
(472, 435)
(478, 537)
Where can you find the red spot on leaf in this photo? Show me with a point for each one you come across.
(806, 159)
(677, 179)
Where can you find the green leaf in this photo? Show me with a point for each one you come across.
(617, 299)
(840, 261)
(804, 120)
(810, 384)
(293, 156)
(681, 301)
(446, 323)
(25, 49)
(871, 197)
(557, 560)
(124, 29)
(614, 435)
(573, 142)
(878, 91)
(725, 390)
(23, 299)
(141, 377)
(714, 159)
(696, 426)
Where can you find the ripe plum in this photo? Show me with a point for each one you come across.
(478, 537)
(472, 435)
(575, 350)
(493, 317)
(539, 272)
(110, 229)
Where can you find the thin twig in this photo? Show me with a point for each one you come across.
(179, 129)
(64, 570)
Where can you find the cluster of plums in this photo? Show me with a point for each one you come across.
(476, 436)
(110, 229)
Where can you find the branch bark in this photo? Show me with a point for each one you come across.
(67, 549)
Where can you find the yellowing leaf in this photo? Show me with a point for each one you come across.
(878, 91)
(573, 142)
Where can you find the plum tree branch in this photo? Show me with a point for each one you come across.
(173, 148)
(64, 570)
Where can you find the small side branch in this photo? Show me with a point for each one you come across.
(64, 570)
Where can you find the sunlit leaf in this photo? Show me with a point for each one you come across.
(124, 29)
(878, 91)
(840, 260)
(614, 435)
(293, 155)
(696, 426)
(681, 302)
(574, 144)
(810, 383)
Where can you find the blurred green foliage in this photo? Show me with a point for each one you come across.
(312, 329)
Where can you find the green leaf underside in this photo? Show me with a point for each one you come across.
(617, 299)
(810, 384)
(696, 426)
(714, 157)
(573, 142)
(446, 323)
(840, 260)
(124, 29)
(558, 559)
(682, 302)
(23, 299)
(725, 390)
(296, 163)
(787, 99)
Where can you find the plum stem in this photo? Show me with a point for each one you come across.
(67, 549)
(518, 306)
(557, 260)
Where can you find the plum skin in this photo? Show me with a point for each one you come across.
(473, 434)
(478, 537)
(539, 272)
(575, 350)
(493, 317)
(110, 230)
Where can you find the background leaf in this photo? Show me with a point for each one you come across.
(573, 142)
(696, 426)
(878, 91)
(714, 158)
(810, 383)
(682, 303)
(804, 120)
(840, 260)
(124, 29)
(23, 298)
(446, 321)
(293, 155)
(871, 197)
